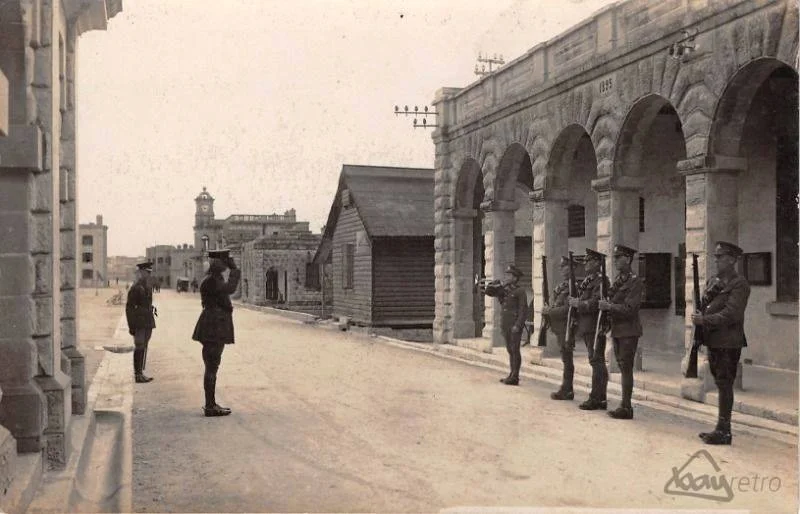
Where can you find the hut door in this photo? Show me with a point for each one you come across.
(478, 266)
(271, 289)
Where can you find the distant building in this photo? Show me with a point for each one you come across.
(122, 269)
(171, 263)
(93, 241)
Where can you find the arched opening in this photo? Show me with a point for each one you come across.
(469, 241)
(511, 224)
(572, 167)
(757, 121)
(272, 291)
(650, 145)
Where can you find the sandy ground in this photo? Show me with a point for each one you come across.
(96, 325)
(325, 421)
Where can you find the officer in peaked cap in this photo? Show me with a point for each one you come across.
(556, 312)
(214, 328)
(622, 306)
(140, 314)
(514, 307)
(585, 305)
(722, 320)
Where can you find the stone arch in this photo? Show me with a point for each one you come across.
(563, 150)
(630, 145)
(733, 105)
(469, 176)
(515, 166)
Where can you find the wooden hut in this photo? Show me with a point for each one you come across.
(378, 246)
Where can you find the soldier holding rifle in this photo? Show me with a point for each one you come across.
(514, 306)
(721, 319)
(586, 306)
(557, 315)
(140, 314)
(622, 307)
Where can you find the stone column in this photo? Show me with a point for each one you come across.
(550, 238)
(617, 223)
(73, 363)
(499, 230)
(464, 284)
(711, 215)
(46, 244)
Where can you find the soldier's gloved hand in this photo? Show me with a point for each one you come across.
(545, 310)
(603, 305)
(515, 328)
(697, 318)
(574, 303)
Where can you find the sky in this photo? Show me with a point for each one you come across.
(263, 101)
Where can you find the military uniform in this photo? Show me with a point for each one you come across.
(557, 315)
(513, 311)
(724, 303)
(589, 296)
(625, 296)
(140, 314)
(214, 328)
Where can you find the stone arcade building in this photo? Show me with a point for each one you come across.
(41, 371)
(660, 125)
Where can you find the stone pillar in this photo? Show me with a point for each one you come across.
(499, 230)
(550, 238)
(617, 223)
(73, 360)
(464, 284)
(46, 243)
(712, 214)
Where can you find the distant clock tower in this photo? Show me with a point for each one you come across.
(203, 217)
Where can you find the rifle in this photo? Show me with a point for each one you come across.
(545, 323)
(599, 325)
(697, 338)
(572, 289)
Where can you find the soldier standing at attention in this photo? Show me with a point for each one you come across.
(622, 307)
(586, 306)
(724, 301)
(214, 328)
(140, 314)
(557, 314)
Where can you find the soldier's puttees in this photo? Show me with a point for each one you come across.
(514, 307)
(586, 306)
(622, 308)
(557, 314)
(140, 314)
(721, 318)
(214, 328)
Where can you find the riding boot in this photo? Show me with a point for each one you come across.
(138, 364)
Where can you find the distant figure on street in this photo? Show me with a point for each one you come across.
(214, 328)
(722, 320)
(141, 314)
(194, 285)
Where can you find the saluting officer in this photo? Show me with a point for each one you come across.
(557, 314)
(622, 306)
(514, 306)
(586, 306)
(140, 314)
(725, 300)
(214, 328)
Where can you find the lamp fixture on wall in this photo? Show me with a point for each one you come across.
(683, 49)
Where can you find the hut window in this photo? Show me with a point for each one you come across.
(576, 220)
(347, 266)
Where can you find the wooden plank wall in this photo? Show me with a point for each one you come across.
(355, 302)
(403, 287)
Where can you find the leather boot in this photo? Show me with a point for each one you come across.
(138, 361)
(721, 435)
